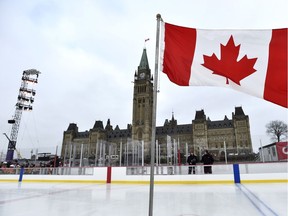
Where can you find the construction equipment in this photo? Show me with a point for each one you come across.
(24, 103)
(12, 143)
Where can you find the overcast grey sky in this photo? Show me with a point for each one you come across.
(87, 52)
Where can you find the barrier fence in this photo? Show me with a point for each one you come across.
(221, 173)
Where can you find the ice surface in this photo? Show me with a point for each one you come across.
(59, 199)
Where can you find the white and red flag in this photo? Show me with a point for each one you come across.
(282, 150)
(250, 61)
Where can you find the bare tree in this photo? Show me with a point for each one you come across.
(276, 129)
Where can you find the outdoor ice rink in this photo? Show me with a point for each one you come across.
(79, 199)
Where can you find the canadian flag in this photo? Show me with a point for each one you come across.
(250, 61)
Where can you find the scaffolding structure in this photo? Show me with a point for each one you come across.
(24, 103)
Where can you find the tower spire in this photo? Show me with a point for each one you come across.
(144, 61)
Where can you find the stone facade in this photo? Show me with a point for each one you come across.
(126, 145)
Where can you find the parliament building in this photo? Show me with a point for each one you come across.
(107, 144)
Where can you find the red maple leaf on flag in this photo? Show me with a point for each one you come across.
(228, 66)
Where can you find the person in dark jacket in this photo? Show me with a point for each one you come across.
(207, 159)
(192, 160)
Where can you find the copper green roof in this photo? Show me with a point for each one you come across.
(144, 61)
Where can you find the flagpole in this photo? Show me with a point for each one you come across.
(153, 135)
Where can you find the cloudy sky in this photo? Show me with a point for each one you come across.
(87, 52)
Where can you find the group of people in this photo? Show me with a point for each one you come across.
(207, 159)
(55, 162)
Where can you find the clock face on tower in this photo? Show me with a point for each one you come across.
(142, 75)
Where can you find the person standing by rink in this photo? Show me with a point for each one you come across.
(192, 160)
(207, 159)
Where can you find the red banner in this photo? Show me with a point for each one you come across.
(282, 150)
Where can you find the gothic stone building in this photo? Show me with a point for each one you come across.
(203, 133)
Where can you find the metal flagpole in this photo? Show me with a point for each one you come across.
(133, 153)
(100, 153)
(156, 152)
(36, 154)
(153, 137)
(225, 152)
(186, 151)
(74, 154)
(167, 150)
(96, 152)
(81, 155)
(175, 151)
(104, 153)
(142, 151)
(70, 154)
(159, 154)
(262, 153)
(120, 154)
(65, 152)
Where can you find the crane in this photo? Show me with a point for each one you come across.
(24, 103)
